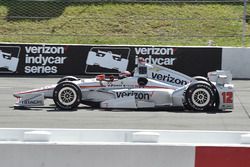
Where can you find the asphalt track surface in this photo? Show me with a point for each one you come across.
(87, 118)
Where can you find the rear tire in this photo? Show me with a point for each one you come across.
(200, 96)
(217, 100)
(68, 78)
(67, 96)
(200, 78)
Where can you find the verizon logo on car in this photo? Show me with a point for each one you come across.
(137, 95)
(168, 78)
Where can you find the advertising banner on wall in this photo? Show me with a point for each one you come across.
(48, 59)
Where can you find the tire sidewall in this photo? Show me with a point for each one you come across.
(201, 85)
(217, 99)
(71, 86)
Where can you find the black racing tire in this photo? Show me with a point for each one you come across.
(217, 100)
(67, 96)
(142, 81)
(200, 78)
(200, 96)
(68, 78)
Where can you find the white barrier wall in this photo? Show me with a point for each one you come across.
(95, 155)
(123, 148)
(237, 60)
(123, 136)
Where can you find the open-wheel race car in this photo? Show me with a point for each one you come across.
(150, 86)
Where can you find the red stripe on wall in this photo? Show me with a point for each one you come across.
(222, 157)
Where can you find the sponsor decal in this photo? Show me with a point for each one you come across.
(137, 95)
(160, 61)
(44, 49)
(32, 101)
(30, 59)
(121, 85)
(154, 51)
(43, 59)
(168, 78)
(159, 56)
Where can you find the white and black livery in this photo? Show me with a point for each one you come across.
(150, 86)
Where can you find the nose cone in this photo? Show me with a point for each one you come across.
(17, 95)
(21, 94)
(48, 90)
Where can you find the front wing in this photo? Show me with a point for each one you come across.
(30, 100)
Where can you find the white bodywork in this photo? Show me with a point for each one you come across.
(222, 80)
(6, 61)
(163, 88)
(107, 60)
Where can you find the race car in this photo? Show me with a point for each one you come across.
(150, 86)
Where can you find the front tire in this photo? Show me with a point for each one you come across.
(67, 96)
(200, 96)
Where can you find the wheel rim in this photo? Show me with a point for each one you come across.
(200, 97)
(67, 96)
